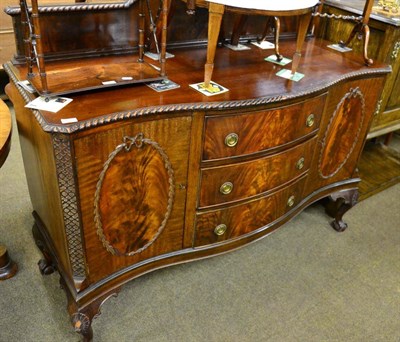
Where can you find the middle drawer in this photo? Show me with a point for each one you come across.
(229, 183)
(250, 217)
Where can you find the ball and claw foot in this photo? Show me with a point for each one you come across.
(45, 267)
(82, 325)
(339, 226)
(338, 205)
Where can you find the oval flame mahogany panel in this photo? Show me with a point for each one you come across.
(342, 133)
(139, 179)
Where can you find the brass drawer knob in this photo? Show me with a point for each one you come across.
(231, 139)
(290, 201)
(226, 188)
(220, 229)
(300, 163)
(310, 120)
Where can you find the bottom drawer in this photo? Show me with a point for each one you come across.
(219, 225)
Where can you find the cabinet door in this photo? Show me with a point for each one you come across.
(131, 184)
(348, 115)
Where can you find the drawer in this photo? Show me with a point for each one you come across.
(242, 134)
(238, 181)
(220, 225)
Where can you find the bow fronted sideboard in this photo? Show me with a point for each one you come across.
(137, 180)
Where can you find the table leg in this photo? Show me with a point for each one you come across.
(215, 12)
(238, 28)
(276, 38)
(304, 22)
(8, 268)
(277, 29)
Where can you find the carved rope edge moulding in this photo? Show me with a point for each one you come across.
(119, 116)
(14, 11)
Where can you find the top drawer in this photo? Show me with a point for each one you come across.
(248, 133)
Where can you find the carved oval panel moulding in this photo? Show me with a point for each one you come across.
(342, 133)
(134, 196)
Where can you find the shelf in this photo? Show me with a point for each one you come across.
(72, 77)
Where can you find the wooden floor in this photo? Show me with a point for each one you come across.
(379, 167)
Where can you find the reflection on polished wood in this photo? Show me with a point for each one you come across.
(216, 12)
(249, 77)
(67, 78)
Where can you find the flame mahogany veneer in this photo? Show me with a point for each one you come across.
(144, 180)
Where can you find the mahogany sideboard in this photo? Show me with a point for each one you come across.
(143, 180)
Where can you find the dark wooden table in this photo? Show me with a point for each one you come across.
(8, 268)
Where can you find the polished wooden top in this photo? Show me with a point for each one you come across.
(5, 132)
(250, 80)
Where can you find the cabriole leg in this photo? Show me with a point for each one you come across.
(83, 315)
(46, 265)
(339, 203)
(82, 325)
